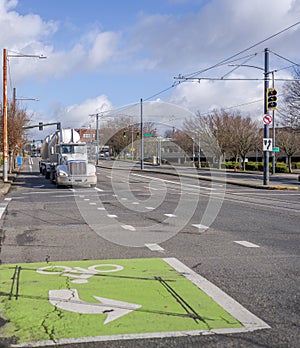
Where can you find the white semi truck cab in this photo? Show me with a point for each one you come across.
(66, 160)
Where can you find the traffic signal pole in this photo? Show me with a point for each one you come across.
(266, 126)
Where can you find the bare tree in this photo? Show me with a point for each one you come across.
(246, 136)
(289, 141)
(120, 131)
(224, 134)
(290, 110)
(16, 120)
(289, 118)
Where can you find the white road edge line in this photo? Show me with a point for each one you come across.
(249, 320)
(154, 247)
(4, 206)
(246, 244)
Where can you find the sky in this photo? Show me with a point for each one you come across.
(104, 56)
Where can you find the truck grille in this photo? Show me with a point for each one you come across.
(77, 168)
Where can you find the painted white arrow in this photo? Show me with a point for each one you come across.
(68, 300)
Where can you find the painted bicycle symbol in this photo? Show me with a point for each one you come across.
(80, 274)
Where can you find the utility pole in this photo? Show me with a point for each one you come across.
(142, 137)
(97, 139)
(5, 138)
(199, 151)
(266, 126)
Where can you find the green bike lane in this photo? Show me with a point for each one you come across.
(101, 300)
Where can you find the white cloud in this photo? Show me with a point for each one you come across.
(22, 32)
(216, 31)
(78, 114)
(29, 34)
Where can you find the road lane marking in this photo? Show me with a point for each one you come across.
(170, 215)
(200, 227)
(111, 216)
(98, 189)
(154, 247)
(2, 210)
(128, 227)
(250, 321)
(3, 206)
(246, 244)
(175, 182)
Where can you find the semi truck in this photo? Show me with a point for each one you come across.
(64, 160)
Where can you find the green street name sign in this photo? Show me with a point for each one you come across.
(275, 149)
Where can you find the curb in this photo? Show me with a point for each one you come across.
(4, 188)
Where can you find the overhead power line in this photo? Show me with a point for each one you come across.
(245, 50)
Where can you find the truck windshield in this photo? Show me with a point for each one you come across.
(73, 149)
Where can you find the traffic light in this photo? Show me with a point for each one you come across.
(124, 134)
(138, 134)
(41, 126)
(271, 98)
(58, 125)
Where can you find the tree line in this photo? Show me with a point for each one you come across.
(224, 135)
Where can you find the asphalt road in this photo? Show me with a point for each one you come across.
(202, 224)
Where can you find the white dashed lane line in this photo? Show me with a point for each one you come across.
(200, 227)
(246, 244)
(154, 247)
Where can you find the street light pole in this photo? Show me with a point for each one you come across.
(5, 136)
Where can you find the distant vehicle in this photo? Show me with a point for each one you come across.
(104, 153)
(35, 154)
(65, 161)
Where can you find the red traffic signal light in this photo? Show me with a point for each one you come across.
(271, 99)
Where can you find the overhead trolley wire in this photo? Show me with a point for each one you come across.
(244, 50)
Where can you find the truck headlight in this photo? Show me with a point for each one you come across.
(61, 173)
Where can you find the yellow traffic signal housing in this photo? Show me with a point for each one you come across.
(271, 98)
